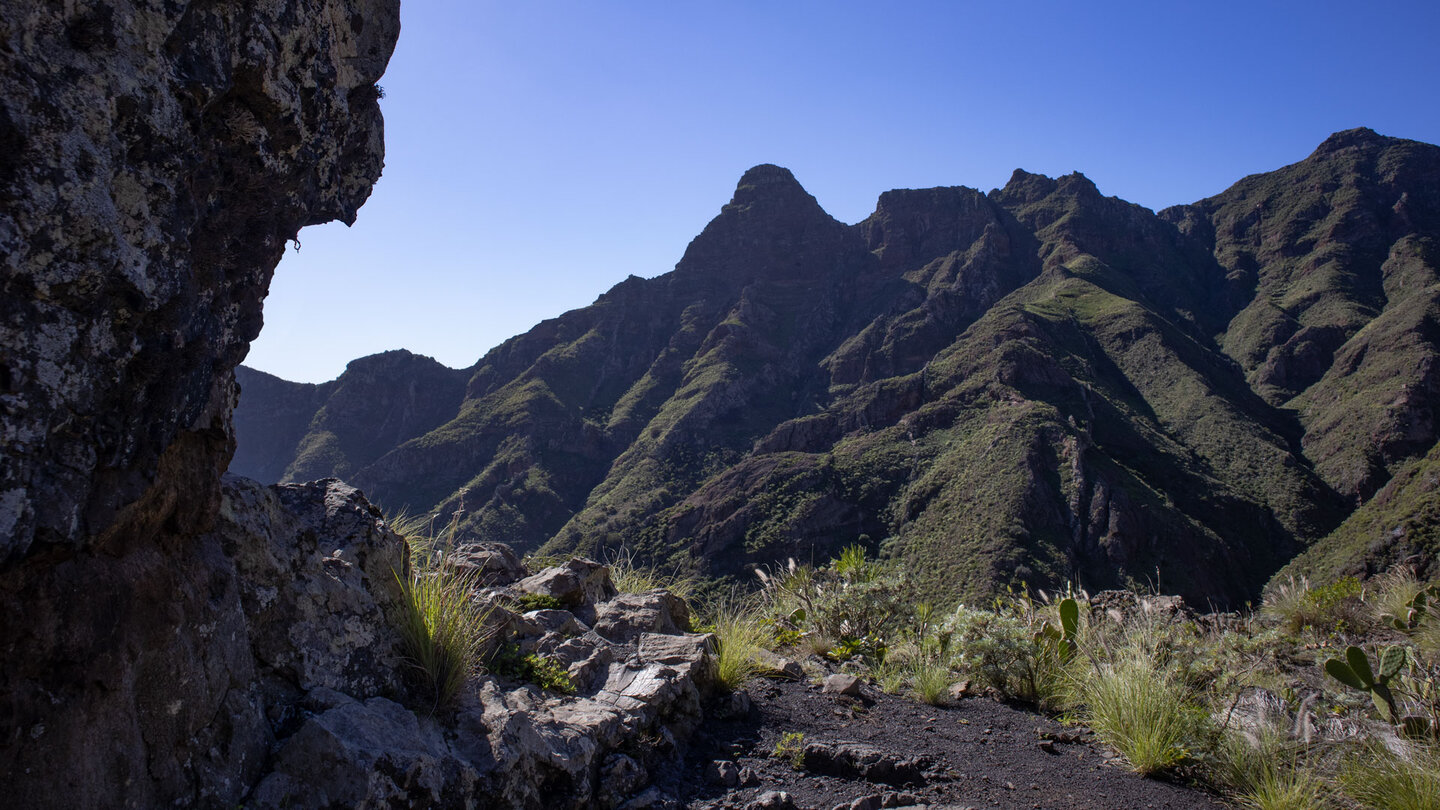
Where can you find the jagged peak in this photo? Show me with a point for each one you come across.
(1360, 136)
(1025, 187)
(1078, 185)
(768, 184)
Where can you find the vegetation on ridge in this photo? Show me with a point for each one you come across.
(1040, 385)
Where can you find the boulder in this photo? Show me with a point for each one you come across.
(851, 760)
(578, 584)
(628, 615)
(839, 683)
(319, 582)
(489, 563)
(776, 666)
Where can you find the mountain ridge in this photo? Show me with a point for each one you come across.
(1038, 383)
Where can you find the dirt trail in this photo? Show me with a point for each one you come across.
(885, 751)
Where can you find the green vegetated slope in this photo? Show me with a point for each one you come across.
(1038, 384)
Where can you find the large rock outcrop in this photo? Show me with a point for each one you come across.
(155, 157)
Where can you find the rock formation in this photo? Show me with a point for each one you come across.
(154, 160)
(1038, 383)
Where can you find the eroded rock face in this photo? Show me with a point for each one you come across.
(508, 743)
(154, 160)
(165, 675)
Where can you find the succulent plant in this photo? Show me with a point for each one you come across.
(1355, 672)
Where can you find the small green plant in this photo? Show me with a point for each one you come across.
(1355, 672)
(1410, 613)
(871, 647)
(1061, 639)
(547, 673)
(791, 748)
(538, 601)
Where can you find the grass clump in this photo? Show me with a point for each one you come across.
(631, 576)
(1267, 770)
(1380, 778)
(930, 681)
(1143, 713)
(740, 635)
(442, 633)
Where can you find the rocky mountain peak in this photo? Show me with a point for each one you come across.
(1345, 139)
(1024, 188)
(769, 226)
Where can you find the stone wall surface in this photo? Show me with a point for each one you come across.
(155, 158)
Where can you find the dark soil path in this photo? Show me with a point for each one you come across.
(975, 753)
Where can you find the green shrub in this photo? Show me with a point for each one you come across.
(442, 633)
(791, 748)
(854, 602)
(1141, 712)
(1001, 650)
(538, 601)
(1333, 608)
(547, 673)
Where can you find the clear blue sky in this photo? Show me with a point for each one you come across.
(540, 152)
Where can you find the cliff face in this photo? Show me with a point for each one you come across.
(154, 160)
(1038, 383)
(299, 432)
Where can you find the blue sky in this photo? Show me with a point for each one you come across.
(540, 152)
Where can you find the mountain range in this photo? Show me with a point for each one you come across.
(1039, 384)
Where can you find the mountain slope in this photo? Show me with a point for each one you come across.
(1038, 384)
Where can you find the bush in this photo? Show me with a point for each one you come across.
(1333, 608)
(1002, 651)
(1141, 712)
(853, 603)
(739, 636)
(442, 633)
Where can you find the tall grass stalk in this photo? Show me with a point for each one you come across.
(631, 576)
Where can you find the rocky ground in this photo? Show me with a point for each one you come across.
(874, 750)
